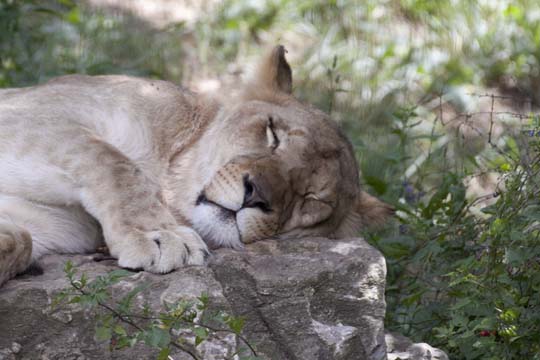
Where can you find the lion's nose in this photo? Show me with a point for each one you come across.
(253, 197)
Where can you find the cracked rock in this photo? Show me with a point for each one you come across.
(311, 298)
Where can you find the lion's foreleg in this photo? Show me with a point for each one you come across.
(15, 249)
(137, 225)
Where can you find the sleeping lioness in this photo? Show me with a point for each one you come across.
(158, 174)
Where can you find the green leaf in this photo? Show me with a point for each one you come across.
(118, 274)
(516, 257)
(157, 337)
(164, 354)
(203, 299)
(515, 338)
(103, 333)
(83, 280)
(412, 299)
(201, 334)
(377, 184)
(236, 324)
(119, 330)
(75, 300)
(69, 270)
(59, 298)
(488, 323)
(124, 304)
(514, 11)
(74, 16)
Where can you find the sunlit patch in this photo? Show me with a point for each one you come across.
(344, 248)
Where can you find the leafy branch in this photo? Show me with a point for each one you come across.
(119, 324)
(464, 269)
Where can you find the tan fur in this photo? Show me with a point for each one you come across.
(15, 250)
(158, 169)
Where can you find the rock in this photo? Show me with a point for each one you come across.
(9, 353)
(301, 299)
(400, 347)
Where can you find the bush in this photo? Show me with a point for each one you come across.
(469, 281)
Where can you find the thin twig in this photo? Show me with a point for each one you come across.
(177, 318)
(126, 319)
(523, 99)
(491, 118)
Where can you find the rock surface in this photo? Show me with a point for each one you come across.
(301, 299)
(400, 347)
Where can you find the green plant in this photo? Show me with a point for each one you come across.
(122, 325)
(468, 281)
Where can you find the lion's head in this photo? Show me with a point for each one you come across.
(271, 166)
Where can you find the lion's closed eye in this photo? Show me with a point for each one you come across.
(271, 136)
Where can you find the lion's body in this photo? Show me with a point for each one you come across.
(62, 140)
(137, 164)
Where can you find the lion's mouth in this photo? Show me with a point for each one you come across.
(217, 224)
(225, 213)
(220, 222)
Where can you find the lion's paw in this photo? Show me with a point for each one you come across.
(162, 251)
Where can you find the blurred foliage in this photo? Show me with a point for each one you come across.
(461, 277)
(43, 39)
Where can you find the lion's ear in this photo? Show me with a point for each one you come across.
(368, 211)
(274, 72)
(372, 211)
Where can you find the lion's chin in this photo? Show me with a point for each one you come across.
(217, 226)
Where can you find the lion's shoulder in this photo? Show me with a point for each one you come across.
(120, 82)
